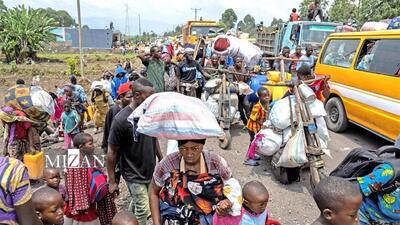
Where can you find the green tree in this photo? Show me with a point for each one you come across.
(23, 31)
(276, 22)
(61, 17)
(372, 10)
(342, 11)
(305, 3)
(240, 25)
(85, 27)
(249, 24)
(3, 7)
(229, 18)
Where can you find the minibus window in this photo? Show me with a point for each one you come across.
(380, 56)
(340, 53)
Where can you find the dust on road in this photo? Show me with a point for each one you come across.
(291, 204)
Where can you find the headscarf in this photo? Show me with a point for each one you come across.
(8, 115)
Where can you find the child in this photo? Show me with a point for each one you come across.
(124, 218)
(294, 16)
(88, 199)
(100, 101)
(259, 114)
(254, 207)
(338, 200)
(49, 205)
(70, 122)
(52, 178)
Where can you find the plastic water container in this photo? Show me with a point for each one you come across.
(35, 164)
(255, 84)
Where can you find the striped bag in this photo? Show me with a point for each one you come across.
(175, 116)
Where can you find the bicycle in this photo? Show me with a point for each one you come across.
(225, 116)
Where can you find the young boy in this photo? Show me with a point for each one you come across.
(124, 218)
(338, 200)
(52, 178)
(70, 122)
(259, 114)
(49, 205)
(294, 16)
(254, 207)
(88, 202)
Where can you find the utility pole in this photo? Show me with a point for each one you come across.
(127, 32)
(195, 12)
(140, 27)
(80, 36)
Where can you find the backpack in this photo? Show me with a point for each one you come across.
(98, 186)
(361, 162)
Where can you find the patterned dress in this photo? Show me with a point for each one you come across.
(16, 189)
(100, 109)
(379, 208)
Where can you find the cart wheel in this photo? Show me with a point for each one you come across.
(316, 175)
(282, 174)
(226, 142)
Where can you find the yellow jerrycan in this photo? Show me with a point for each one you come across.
(35, 164)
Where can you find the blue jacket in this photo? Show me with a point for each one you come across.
(116, 82)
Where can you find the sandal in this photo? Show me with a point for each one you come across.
(251, 162)
(257, 157)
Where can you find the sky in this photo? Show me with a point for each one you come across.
(162, 15)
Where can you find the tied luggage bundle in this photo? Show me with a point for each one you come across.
(36, 103)
(374, 26)
(175, 116)
(282, 131)
(233, 46)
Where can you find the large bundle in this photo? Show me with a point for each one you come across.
(345, 28)
(280, 113)
(374, 26)
(232, 46)
(175, 116)
(293, 155)
(36, 103)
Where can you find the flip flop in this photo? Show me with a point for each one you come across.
(257, 157)
(251, 162)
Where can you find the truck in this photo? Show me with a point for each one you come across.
(193, 29)
(293, 34)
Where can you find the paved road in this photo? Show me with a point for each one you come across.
(292, 204)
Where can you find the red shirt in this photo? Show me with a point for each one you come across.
(294, 17)
(21, 129)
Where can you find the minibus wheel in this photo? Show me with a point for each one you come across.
(336, 115)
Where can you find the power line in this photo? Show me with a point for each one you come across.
(195, 12)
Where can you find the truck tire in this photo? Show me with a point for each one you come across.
(336, 119)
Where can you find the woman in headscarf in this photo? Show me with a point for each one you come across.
(187, 186)
(19, 135)
(100, 100)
